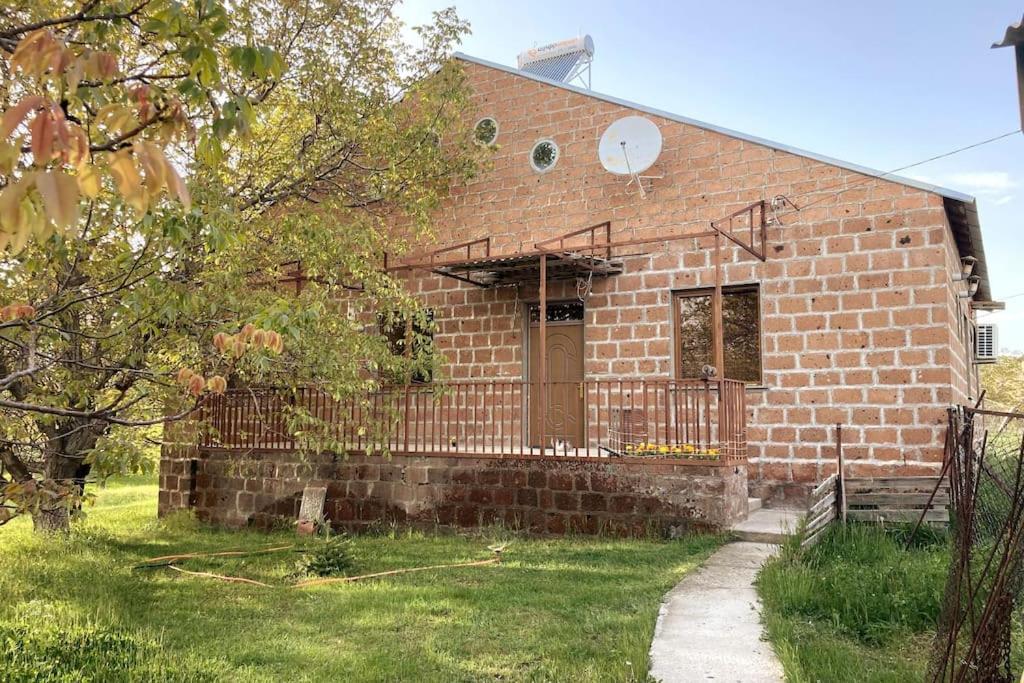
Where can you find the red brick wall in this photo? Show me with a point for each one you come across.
(857, 301)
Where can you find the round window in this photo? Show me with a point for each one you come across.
(486, 131)
(544, 155)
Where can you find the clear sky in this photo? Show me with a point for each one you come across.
(883, 84)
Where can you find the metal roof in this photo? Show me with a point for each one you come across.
(525, 268)
(1014, 35)
(963, 219)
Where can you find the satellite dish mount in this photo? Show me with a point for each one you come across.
(629, 147)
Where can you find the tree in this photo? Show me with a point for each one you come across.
(1003, 382)
(306, 129)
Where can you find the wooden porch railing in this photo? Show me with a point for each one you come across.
(694, 419)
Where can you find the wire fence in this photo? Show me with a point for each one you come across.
(985, 465)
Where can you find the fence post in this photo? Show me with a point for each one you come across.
(841, 482)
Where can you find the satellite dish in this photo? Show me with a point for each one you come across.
(630, 146)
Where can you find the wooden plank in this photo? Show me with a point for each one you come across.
(894, 481)
(909, 490)
(827, 501)
(812, 539)
(828, 484)
(824, 517)
(891, 515)
(901, 499)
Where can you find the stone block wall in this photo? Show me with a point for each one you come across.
(542, 495)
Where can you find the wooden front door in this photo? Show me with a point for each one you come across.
(565, 417)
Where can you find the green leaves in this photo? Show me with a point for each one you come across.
(259, 62)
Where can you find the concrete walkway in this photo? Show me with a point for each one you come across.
(709, 626)
(768, 525)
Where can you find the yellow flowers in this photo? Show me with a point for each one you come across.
(686, 450)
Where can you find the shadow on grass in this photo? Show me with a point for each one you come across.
(580, 608)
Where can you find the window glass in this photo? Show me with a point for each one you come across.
(544, 155)
(421, 336)
(558, 312)
(741, 323)
(486, 131)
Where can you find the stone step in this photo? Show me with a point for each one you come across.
(753, 505)
(768, 525)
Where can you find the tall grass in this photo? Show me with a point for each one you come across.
(857, 606)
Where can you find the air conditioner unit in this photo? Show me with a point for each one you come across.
(986, 343)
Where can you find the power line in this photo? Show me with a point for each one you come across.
(882, 176)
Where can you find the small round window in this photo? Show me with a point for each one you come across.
(544, 155)
(486, 131)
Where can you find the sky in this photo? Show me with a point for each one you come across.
(882, 84)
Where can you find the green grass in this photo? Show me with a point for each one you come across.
(855, 607)
(571, 609)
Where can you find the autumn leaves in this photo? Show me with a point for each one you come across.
(52, 159)
(249, 339)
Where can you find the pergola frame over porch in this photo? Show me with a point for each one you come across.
(588, 252)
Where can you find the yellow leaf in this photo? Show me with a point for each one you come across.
(77, 150)
(74, 73)
(35, 219)
(16, 114)
(153, 164)
(89, 180)
(10, 206)
(29, 218)
(176, 185)
(9, 153)
(60, 197)
(31, 54)
(129, 182)
(42, 138)
(117, 117)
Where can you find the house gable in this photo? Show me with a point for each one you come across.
(550, 110)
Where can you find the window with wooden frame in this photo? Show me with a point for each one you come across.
(410, 338)
(694, 332)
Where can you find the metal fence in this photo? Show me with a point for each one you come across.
(593, 418)
(985, 463)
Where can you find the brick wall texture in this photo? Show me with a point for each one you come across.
(541, 495)
(861, 324)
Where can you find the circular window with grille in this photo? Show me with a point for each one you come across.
(485, 132)
(544, 156)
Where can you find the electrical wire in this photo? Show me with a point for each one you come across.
(882, 176)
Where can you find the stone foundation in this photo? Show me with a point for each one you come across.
(622, 496)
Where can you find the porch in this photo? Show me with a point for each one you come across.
(682, 420)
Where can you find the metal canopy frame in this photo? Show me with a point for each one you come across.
(584, 252)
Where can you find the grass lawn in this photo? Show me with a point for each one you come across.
(856, 607)
(572, 609)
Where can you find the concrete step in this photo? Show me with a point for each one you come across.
(768, 525)
(753, 504)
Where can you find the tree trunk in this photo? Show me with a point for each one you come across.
(64, 463)
(51, 520)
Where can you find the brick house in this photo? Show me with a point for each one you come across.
(847, 298)
(862, 320)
